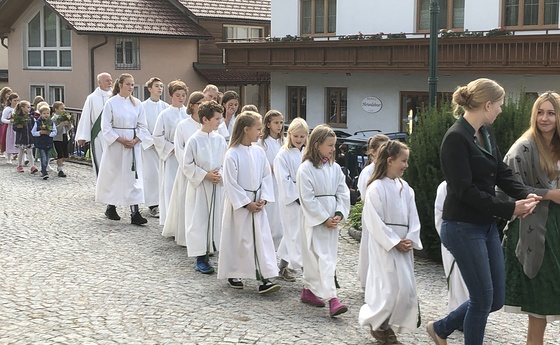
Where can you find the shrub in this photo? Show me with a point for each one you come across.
(355, 216)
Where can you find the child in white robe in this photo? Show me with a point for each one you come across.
(457, 292)
(202, 165)
(325, 201)
(391, 219)
(175, 220)
(153, 106)
(271, 141)
(373, 145)
(286, 166)
(246, 247)
(164, 133)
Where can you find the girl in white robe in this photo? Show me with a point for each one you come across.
(164, 134)
(391, 220)
(246, 247)
(123, 124)
(230, 102)
(202, 165)
(363, 260)
(175, 220)
(271, 142)
(286, 166)
(325, 201)
(153, 106)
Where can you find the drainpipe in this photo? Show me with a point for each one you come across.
(91, 61)
(4, 44)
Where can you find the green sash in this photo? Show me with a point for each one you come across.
(94, 133)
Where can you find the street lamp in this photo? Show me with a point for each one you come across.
(433, 79)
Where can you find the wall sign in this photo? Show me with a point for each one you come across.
(372, 104)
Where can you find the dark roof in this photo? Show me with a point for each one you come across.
(217, 74)
(132, 17)
(233, 9)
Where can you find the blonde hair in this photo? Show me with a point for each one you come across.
(21, 103)
(475, 94)
(268, 117)
(318, 136)
(250, 107)
(245, 119)
(43, 106)
(391, 149)
(151, 81)
(546, 157)
(210, 87)
(297, 125)
(194, 98)
(118, 83)
(57, 105)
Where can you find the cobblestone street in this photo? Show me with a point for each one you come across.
(71, 276)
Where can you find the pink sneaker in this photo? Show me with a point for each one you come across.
(20, 168)
(336, 308)
(309, 297)
(33, 170)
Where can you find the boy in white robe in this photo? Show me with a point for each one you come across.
(202, 165)
(325, 201)
(164, 134)
(153, 106)
(391, 220)
(246, 247)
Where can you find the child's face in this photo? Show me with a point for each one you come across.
(157, 89)
(397, 166)
(127, 87)
(231, 106)
(178, 98)
(25, 108)
(254, 132)
(60, 109)
(214, 122)
(45, 113)
(327, 148)
(276, 126)
(298, 139)
(211, 95)
(14, 102)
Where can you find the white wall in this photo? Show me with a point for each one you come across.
(284, 18)
(387, 88)
(370, 17)
(481, 15)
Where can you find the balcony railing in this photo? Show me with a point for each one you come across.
(525, 52)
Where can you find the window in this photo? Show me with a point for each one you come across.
(48, 42)
(337, 101)
(412, 103)
(127, 53)
(238, 33)
(50, 93)
(297, 101)
(531, 13)
(56, 93)
(37, 90)
(318, 17)
(451, 14)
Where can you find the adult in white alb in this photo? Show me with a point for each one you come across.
(164, 134)
(89, 126)
(153, 106)
(123, 125)
(175, 218)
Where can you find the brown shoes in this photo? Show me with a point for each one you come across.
(432, 333)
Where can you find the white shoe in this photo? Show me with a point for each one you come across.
(154, 212)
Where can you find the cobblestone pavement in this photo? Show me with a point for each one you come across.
(70, 276)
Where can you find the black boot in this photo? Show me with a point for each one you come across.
(111, 213)
(137, 219)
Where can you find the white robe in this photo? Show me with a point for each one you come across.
(271, 147)
(203, 200)
(164, 134)
(246, 178)
(363, 259)
(457, 290)
(175, 221)
(322, 192)
(286, 165)
(10, 133)
(390, 215)
(116, 182)
(150, 157)
(93, 106)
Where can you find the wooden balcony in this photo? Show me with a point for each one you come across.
(516, 54)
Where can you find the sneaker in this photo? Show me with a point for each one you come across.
(33, 170)
(111, 213)
(268, 287)
(61, 174)
(336, 308)
(378, 335)
(45, 177)
(287, 275)
(154, 212)
(202, 266)
(309, 297)
(20, 168)
(432, 333)
(137, 219)
(235, 283)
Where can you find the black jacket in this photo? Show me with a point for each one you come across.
(472, 173)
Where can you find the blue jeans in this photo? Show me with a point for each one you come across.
(44, 160)
(478, 253)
